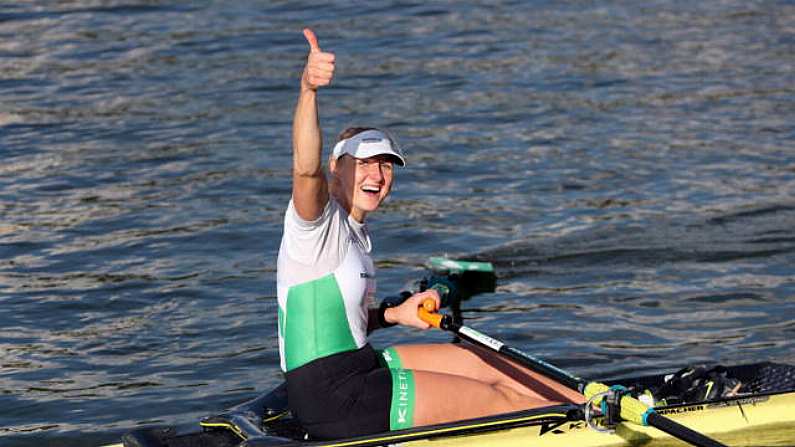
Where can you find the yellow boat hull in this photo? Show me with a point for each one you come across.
(755, 421)
(764, 419)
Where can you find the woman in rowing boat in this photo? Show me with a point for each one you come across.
(338, 385)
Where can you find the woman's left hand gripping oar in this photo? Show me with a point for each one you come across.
(406, 313)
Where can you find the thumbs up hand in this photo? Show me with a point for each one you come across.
(319, 69)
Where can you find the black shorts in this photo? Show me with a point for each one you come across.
(342, 395)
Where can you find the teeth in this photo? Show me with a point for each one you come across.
(371, 188)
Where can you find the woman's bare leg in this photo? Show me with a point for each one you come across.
(443, 398)
(484, 366)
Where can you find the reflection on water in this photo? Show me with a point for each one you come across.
(627, 167)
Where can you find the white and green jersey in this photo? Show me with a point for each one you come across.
(325, 283)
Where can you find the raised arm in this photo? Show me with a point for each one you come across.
(310, 187)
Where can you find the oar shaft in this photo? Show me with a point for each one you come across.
(679, 431)
(441, 321)
(523, 358)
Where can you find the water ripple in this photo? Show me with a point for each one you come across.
(627, 167)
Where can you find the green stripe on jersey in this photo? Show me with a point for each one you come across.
(315, 324)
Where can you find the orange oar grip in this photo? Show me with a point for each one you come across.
(429, 305)
(427, 313)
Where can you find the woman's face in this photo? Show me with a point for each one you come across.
(363, 182)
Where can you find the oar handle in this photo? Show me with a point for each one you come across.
(427, 313)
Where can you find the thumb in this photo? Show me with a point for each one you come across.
(312, 39)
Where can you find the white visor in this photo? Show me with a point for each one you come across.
(369, 144)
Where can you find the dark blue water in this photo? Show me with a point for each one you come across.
(628, 166)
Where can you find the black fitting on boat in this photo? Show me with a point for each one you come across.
(611, 406)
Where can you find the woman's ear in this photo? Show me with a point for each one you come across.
(333, 177)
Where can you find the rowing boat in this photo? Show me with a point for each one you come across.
(757, 411)
(760, 414)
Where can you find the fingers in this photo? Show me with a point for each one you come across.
(318, 74)
(407, 313)
(312, 39)
(433, 295)
(319, 69)
(429, 300)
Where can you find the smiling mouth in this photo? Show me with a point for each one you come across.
(369, 189)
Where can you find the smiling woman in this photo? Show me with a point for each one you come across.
(362, 169)
(337, 384)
